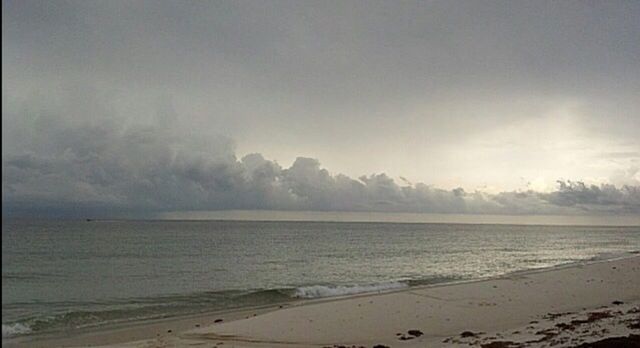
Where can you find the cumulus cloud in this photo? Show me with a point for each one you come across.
(106, 168)
(484, 92)
(593, 197)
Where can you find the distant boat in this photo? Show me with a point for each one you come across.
(88, 220)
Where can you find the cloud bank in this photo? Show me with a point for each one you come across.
(470, 93)
(109, 169)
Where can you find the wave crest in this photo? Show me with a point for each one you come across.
(318, 291)
(10, 330)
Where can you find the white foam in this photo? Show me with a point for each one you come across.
(10, 330)
(317, 291)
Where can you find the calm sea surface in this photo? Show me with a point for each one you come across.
(64, 275)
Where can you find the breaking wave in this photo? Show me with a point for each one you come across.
(318, 291)
(10, 330)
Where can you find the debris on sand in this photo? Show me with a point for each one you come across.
(630, 341)
(466, 334)
(501, 344)
(415, 333)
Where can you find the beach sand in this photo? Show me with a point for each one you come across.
(560, 307)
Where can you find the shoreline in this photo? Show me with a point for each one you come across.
(126, 333)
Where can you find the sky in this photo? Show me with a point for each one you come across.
(483, 107)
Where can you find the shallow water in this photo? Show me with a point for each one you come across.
(61, 275)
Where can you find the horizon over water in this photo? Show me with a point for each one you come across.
(60, 275)
(401, 217)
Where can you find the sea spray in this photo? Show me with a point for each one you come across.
(15, 329)
(319, 291)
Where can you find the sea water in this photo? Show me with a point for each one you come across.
(68, 275)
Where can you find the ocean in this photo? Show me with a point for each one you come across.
(69, 275)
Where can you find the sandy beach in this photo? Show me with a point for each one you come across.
(562, 307)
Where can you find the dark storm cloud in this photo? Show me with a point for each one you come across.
(587, 197)
(108, 169)
(130, 106)
(341, 53)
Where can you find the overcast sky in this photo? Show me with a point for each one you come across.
(527, 107)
